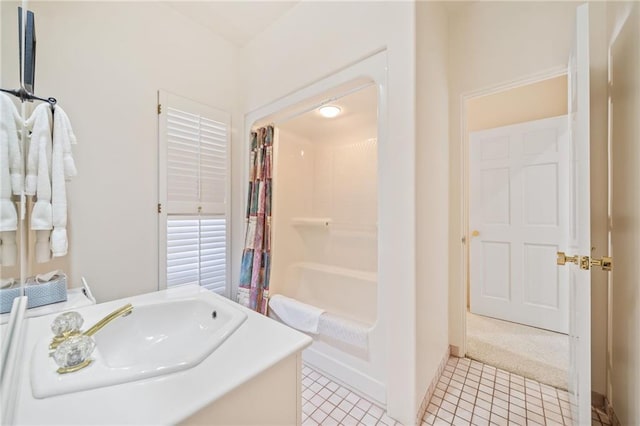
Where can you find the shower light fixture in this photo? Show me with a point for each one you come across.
(329, 111)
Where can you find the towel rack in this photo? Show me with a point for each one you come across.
(24, 95)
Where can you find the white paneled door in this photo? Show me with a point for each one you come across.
(518, 220)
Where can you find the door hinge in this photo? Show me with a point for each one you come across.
(159, 208)
(159, 109)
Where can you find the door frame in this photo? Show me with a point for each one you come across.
(464, 176)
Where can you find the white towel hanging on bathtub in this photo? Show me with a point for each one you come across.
(296, 314)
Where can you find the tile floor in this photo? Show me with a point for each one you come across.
(326, 403)
(468, 393)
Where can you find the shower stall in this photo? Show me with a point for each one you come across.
(325, 236)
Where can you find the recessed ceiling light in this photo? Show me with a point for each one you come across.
(329, 111)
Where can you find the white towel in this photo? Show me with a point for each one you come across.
(10, 179)
(62, 168)
(7, 282)
(48, 276)
(38, 181)
(10, 125)
(345, 330)
(296, 314)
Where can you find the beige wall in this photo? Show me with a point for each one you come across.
(432, 175)
(497, 43)
(543, 99)
(624, 364)
(104, 61)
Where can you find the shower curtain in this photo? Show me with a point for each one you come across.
(253, 289)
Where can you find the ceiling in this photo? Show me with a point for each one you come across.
(236, 21)
(357, 121)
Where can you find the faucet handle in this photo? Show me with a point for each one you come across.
(66, 323)
(73, 353)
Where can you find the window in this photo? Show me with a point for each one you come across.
(193, 194)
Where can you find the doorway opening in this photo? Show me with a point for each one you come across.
(516, 216)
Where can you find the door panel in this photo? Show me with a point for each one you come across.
(519, 208)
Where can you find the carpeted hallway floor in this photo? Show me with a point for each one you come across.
(530, 352)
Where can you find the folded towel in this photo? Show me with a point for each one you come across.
(296, 314)
(48, 276)
(62, 168)
(345, 330)
(6, 283)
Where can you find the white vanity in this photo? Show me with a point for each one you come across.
(251, 376)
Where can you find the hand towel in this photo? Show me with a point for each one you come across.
(62, 168)
(10, 126)
(40, 124)
(38, 181)
(9, 181)
(296, 314)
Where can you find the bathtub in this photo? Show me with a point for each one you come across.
(350, 300)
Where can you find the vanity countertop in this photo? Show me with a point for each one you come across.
(255, 346)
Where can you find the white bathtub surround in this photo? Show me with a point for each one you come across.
(296, 314)
(325, 236)
(209, 392)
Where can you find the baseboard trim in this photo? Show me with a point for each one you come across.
(432, 387)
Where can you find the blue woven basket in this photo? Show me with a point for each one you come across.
(6, 298)
(40, 294)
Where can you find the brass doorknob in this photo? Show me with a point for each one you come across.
(606, 263)
(475, 233)
(563, 259)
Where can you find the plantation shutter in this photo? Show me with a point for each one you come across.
(194, 188)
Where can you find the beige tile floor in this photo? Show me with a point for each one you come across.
(468, 393)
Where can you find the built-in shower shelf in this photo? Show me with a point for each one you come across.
(311, 221)
(339, 228)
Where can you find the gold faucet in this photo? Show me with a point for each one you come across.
(120, 312)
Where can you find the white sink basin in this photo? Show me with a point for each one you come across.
(156, 338)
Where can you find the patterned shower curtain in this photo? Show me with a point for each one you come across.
(253, 290)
